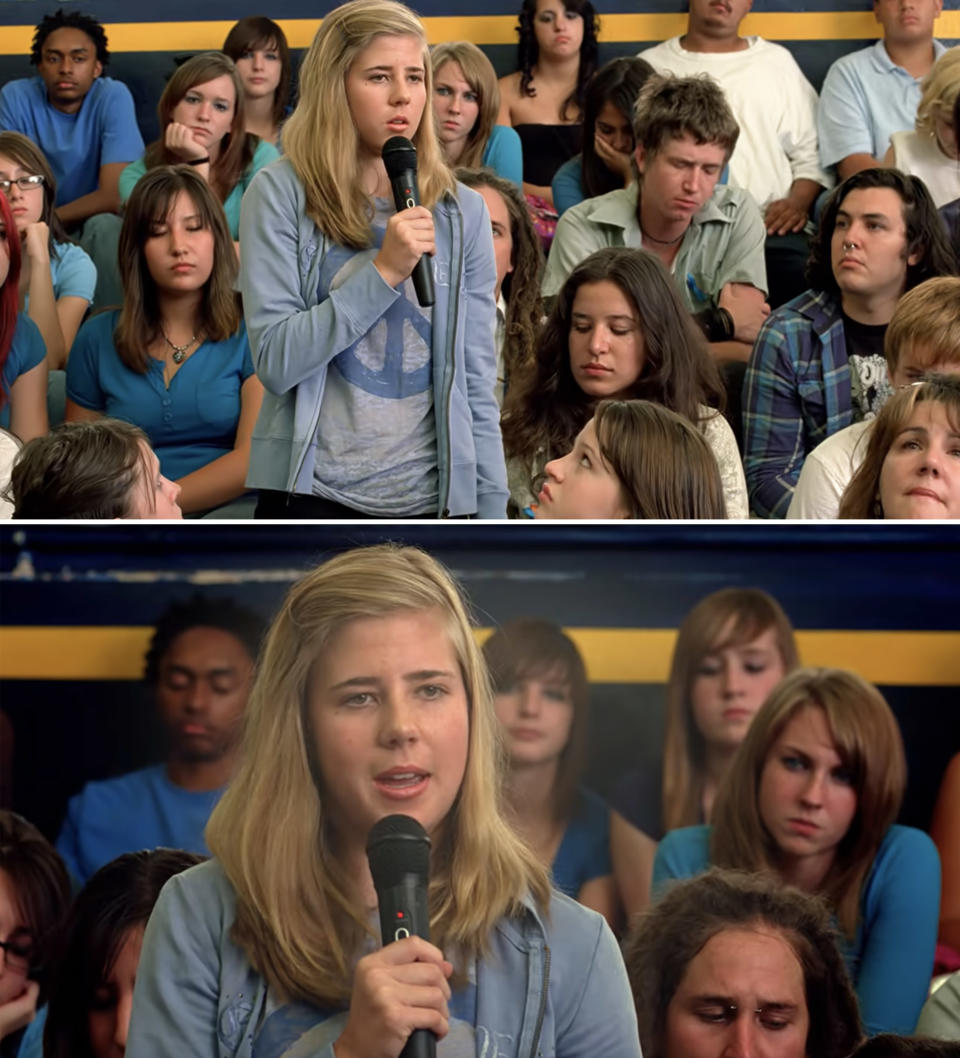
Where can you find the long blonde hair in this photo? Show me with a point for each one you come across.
(749, 612)
(297, 917)
(867, 740)
(320, 138)
(480, 75)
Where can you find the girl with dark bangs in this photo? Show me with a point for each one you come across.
(88, 1015)
(260, 52)
(175, 360)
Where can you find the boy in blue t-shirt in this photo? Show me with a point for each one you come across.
(84, 123)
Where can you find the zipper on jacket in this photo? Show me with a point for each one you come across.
(543, 1002)
(443, 506)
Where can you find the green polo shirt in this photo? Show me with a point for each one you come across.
(724, 243)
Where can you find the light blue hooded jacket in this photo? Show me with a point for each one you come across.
(294, 336)
(551, 986)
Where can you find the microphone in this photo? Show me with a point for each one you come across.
(398, 851)
(400, 159)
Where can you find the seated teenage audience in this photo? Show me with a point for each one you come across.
(91, 992)
(605, 162)
(930, 150)
(371, 698)
(945, 831)
(466, 103)
(617, 330)
(923, 337)
(776, 157)
(633, 459)
(910, 467)
(730, 964)
(57, 278)
(261, 55)
(174, 359)
(200, 667)
(376, 406)
(542, 700)
(516, 247)
(202, 117)
(818, 362)
(543, 100)
(23, 356)
(812, 796)
(709, 238)
(82, 121)
(731, 650)
(34, 896)
(870, 94)
(99, 469)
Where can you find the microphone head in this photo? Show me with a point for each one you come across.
(397, 846)
(399, 156)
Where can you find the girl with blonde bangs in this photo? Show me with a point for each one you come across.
(378, 404)
(466, 101)
(203, 125)
(731, 650)
(811, 797)
(371, 698)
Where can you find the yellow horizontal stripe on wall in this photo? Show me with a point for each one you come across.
(491, 29)
(613, 655)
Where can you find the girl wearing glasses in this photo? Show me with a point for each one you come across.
(57, 278)
(34, 894)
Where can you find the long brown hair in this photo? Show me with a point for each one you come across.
(530, 647)
(744, 614)
(867, 739)
(139, 323)
(546, 409)
(237, 147)
(258, 33)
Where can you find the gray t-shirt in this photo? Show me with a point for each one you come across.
(377, 436)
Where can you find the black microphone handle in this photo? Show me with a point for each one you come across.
(405, 196)
(409, 898)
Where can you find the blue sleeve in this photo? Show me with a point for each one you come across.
(480, 356)
(120, 139)
(843, 122)
(601, 1016)
(83, 378)
(176, 997)
(773, 443)
(74, 274)
(26, 351)
(504, 154)
(899, 931)
(292, 338)
(31, 1043)
(9, 116)
(129, 177)
(567, 185)
(683, 853)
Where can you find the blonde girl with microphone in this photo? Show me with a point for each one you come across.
(372, 698)
(376, 405)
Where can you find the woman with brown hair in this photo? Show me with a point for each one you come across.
(258, 47)
(732, 649)
(57, 278)
(203, 118)
(812, 796)
(912, 465)
(174, 360)
(541, 698)
(619, 331)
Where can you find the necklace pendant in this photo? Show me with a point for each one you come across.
(178, 355)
